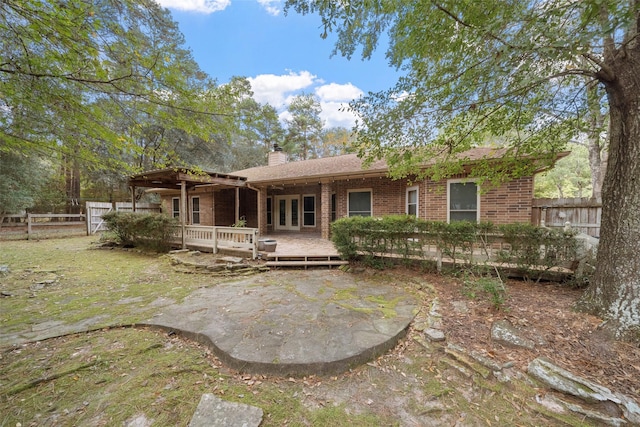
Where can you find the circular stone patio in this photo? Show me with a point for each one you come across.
(293, 322)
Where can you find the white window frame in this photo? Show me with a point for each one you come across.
(359, 190)
(415, 188)
(462, 181)
(175, 213)
(304, 212)
(194, 211)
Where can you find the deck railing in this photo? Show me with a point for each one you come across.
(216, 238)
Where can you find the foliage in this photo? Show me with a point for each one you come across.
(569, 178)
(23, 183)
(92, 79)
(304, 127)
(151, 230)
(543, 247)
(533, 250)
(493, 287)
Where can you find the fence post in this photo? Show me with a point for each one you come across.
(215, 240)
(28, 226)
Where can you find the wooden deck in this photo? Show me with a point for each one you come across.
(302, 251)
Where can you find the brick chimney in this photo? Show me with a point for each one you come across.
(277, 156)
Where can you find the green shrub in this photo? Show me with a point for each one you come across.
(148, 230)
(529, 248)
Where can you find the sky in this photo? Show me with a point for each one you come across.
(282, 56)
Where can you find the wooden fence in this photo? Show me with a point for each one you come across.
(95, 210)
(582, 214)
(33, 225)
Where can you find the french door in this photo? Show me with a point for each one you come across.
(287, 213)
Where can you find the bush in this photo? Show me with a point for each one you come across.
(529, 248)
(149, 230)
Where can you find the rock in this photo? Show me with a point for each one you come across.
(434, 335)
(215, 412)
(4, 270)
(562, 380)
(138, 421)
(460, 307)
(485, 361)
(505, 333)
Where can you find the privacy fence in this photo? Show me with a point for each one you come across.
(582, 214)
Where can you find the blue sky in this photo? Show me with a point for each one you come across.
(280, 55)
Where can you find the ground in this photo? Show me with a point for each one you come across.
(131, 376)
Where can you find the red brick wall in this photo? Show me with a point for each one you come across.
(511, 202)
(508, 203)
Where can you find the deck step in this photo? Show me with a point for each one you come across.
(281, 260)
(305, 264)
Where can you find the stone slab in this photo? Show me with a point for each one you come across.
(215, 412)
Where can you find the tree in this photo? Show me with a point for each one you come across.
(472, 68)
(304, 128)
(336, 141)
(570, 177)
(86, 78)
(22, 178)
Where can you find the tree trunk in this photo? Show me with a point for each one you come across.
(615, 291)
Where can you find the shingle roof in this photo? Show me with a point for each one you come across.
(348, 165)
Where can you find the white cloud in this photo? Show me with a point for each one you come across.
(334, 98)
(334, 115)
(272, 89)
(199, 6)
(210, 6)
(271, 6)
(279, 91)
(338, 92)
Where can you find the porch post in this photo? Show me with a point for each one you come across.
(261, 211)
(237, 204)
(325, 210)
(183, 211)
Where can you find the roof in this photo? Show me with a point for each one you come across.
(345, 166)
(172, 177)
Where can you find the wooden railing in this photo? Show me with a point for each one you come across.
(216, 238)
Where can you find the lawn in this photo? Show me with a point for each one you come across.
(114, 374)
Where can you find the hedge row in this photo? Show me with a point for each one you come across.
(524, 246)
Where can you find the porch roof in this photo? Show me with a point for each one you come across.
(172, 177)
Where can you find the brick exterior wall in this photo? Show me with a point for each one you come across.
(511, 202)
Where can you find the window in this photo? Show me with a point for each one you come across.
(333, 207)
(195, 210)
(412, 201)
(308, 211)
(359, 203)
(463, 201)
(269, 211)
(175, 207)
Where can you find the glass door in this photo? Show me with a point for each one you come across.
(287, 213)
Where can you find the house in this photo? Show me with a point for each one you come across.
(306, 196)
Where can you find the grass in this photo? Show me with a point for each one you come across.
(114, 375)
